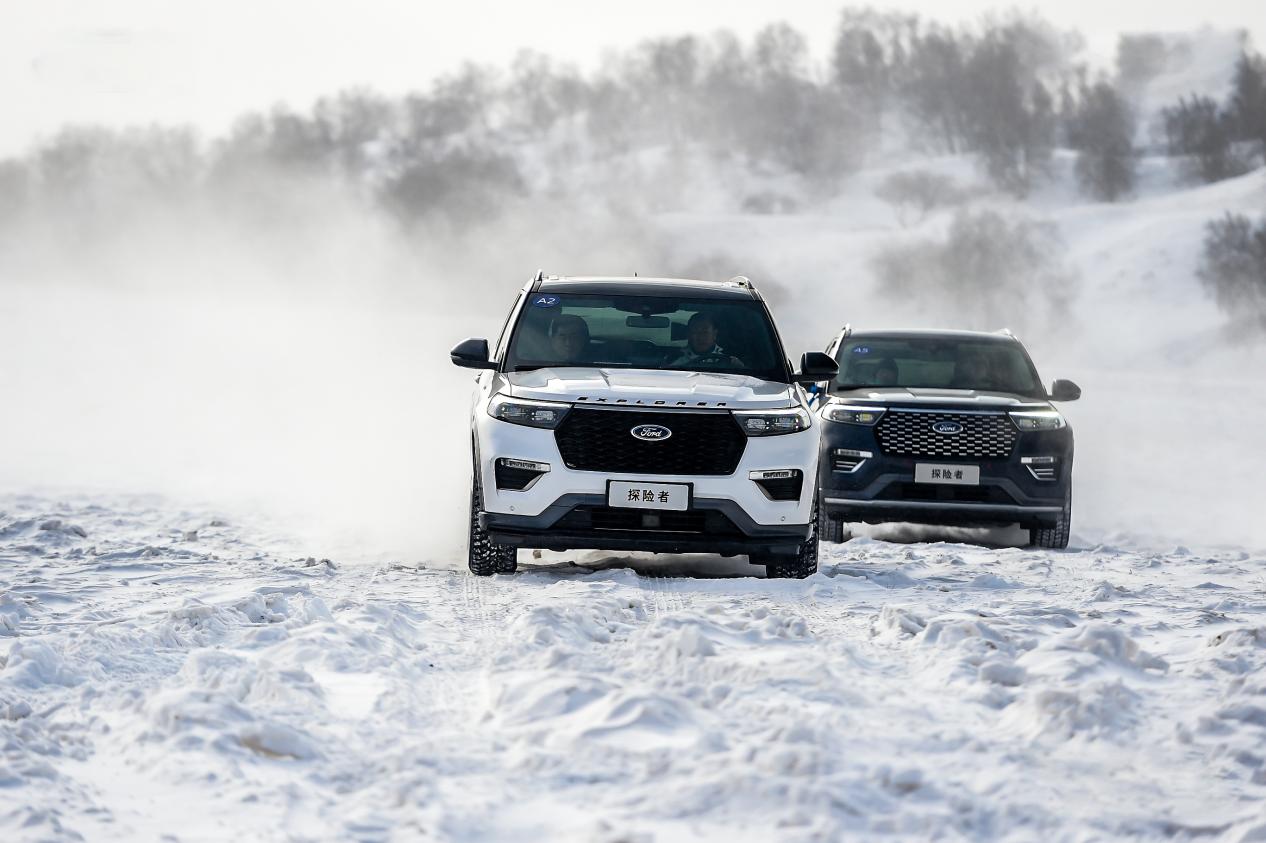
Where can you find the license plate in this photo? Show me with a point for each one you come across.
(648, 495)
(962, 475)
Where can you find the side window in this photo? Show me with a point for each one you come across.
(504, 338)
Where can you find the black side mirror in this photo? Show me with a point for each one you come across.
(472, 354)
(816, 366)
(1065, 391)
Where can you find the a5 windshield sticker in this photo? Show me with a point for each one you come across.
(862, 349)
(544, 301)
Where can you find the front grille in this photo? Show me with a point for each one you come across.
(601, 440)
(903, 433)
(700, 521)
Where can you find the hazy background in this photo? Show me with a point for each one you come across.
(236, 244)
(203, 63)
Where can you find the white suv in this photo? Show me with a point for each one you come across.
(642, 414)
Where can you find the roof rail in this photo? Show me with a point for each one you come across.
(847, 332)
(741, 281)
(540, 275)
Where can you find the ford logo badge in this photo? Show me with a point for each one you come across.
(651, 432)
(947, 428)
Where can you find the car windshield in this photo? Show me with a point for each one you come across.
(936, 363)
(645, 332)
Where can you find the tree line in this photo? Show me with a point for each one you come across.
(1007, 92)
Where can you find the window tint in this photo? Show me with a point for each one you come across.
(936, 363)
(641, 332)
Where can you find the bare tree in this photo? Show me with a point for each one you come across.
(1248, 101)
(1198, 130)
(15, 188)
(1233, 268)
(916, 193)
(934, 88)
(1140, 59)
(463, 185)
(1102, 130)
(540, 93)
(991, 270)
(354, 123)
(1011, 129)
(869, 59)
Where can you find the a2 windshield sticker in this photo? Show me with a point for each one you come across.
(862, 349)
(544, 301)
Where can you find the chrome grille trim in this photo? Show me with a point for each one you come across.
(908, 433)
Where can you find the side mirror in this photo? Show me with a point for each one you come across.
(1065, 391)
(816, 366)
(472, 354)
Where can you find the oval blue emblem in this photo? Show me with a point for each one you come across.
(948, 428)
(651, 432)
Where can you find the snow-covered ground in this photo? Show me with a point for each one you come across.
(173, 673)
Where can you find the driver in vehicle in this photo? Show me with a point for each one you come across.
(701, 343)
(886, 373)
(569, 338)
(972, 372)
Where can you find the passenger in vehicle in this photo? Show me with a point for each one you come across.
(701, 343)
(569, 339)
(972, 372)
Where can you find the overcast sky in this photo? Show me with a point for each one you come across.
(206, 61)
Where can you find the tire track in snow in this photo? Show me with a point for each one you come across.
(666, 595)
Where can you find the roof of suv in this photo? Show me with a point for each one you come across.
(982, 336)
(637, 286)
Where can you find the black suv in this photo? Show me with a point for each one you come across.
(944, 427)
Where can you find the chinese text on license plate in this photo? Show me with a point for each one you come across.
(648, 495)
(966, 475)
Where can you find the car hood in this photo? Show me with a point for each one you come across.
(649, 387)
(948, 398)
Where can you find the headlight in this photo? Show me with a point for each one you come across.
(772, 422)
(1037, 419)
(852, 415)
(531, 413)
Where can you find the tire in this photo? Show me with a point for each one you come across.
(485, 557)
(1055, 537)
(803, 563)
(831, 529)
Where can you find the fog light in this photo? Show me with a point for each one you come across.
(848, 460)
(775, 474)
(1042, 468)
(782, 484)
(517, 475)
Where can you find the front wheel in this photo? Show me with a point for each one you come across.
(486, 557)
(831, 529)
(803, 563)
(1055, 536)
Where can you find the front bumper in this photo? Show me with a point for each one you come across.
(496, 439)
(567, 509)
(883, 487)
(581, 521)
